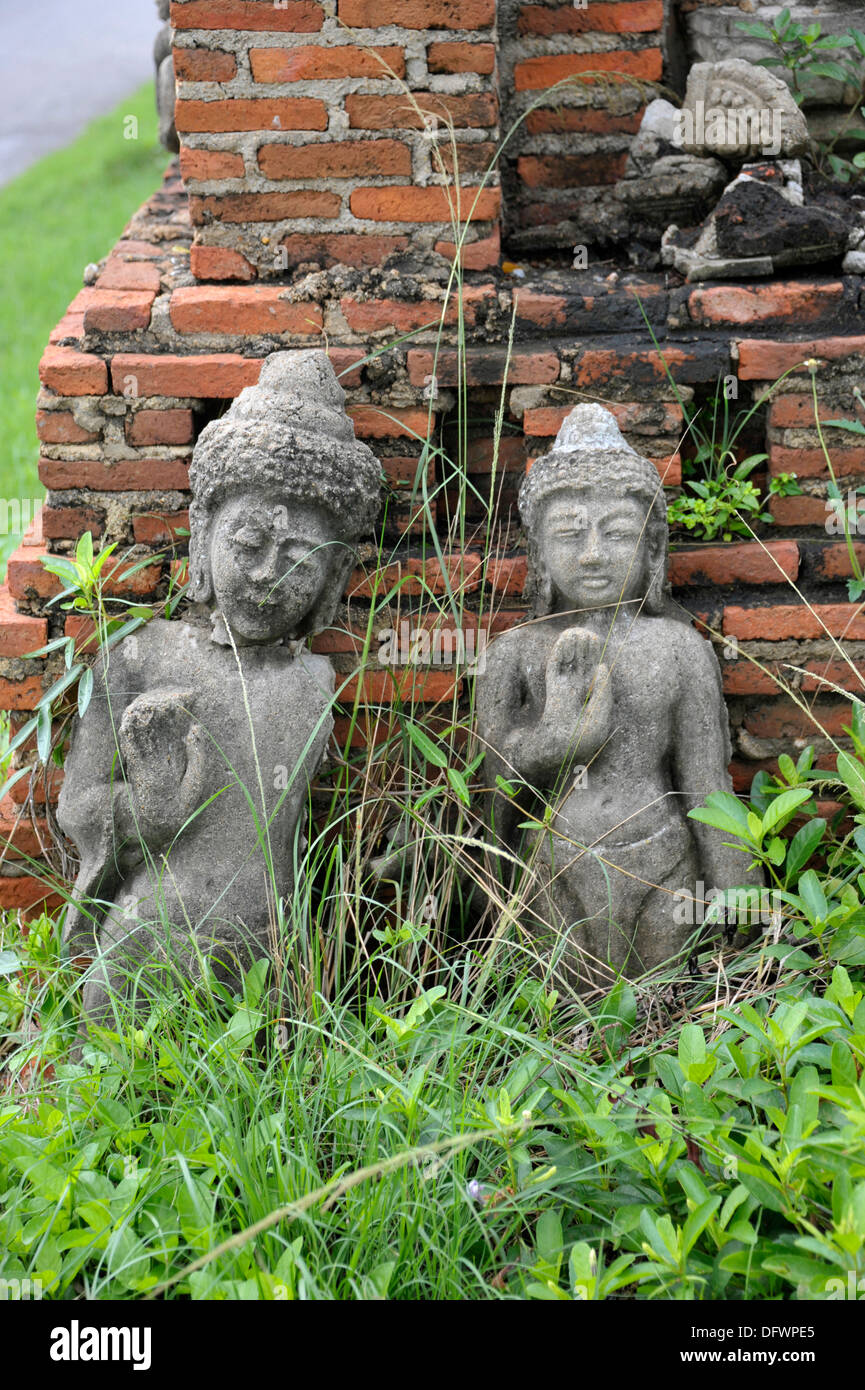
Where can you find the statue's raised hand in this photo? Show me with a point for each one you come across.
(163, 751)
(579, 690)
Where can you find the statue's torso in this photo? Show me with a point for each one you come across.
(257, 740)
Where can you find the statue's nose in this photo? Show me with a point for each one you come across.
(593, 550)
(263, 567)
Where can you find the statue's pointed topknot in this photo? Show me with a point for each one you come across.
(590, 428)
(289, 432)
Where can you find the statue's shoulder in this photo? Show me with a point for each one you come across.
(519, 644)
(693, 651)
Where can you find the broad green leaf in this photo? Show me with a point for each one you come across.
(424, 744)
(852, 774)
(803, 845)
(779, 811)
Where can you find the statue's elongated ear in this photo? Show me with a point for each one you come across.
(200, 578)
(658, 591)
(539, 588)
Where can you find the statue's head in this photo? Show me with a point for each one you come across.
(596, 520)
(282, 491)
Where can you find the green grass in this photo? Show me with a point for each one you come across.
(62, 213)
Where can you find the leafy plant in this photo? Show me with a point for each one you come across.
(85, 581)
(718, 497)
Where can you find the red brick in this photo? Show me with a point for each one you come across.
(811, 463)
(219, 263)
(750, 563)
(25, 576)
(797, 412)
(482, 254)
(340, 159)
(265, 113)
(129, 275)
(477, 110)
(161, 529)
(546, 311)
(781, 622)
(19, 633)
(507, 574)
(415, 576)
(18, 836)
(762, 359)
(471, 158)
(833, 561)
(59, 427)
(626, 17)
(72, 373)
(25, 892)
(411, 204)
(597, 366)
(265, 207)
(294, 17)
(236, 310)
(461, 57)
(536, 74)
(419, 14)
(571, 171)
(405, 683)
(68, 523)
(127, 248)
(198, 165)
(737, 304)
(341, 248)
(483, 366)
(401, 315)
(746, 678)
(119, 311)
(70, 326)
(784, 718)
(204, 65)
(761, 303)
(115, 475)
(220, 374)
(581, 120)
(481, 454)
(401, 470)
(846, 674)
(21, 694)
(390, 422)
(799, 511)
(160, 427)
(317, 63)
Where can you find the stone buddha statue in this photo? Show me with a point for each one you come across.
(187, 781)
(604, 714)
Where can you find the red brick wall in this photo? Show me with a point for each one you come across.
(326, 132)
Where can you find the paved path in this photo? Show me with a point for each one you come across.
(62, 62)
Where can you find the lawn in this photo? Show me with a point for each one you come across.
(62, 213)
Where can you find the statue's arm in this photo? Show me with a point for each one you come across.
(535, 743)
(94, 808)
(701, 743)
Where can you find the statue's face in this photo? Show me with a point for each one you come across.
(270, 559)
(594, 548)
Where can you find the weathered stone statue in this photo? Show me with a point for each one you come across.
(187, 780)
(606, 712)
